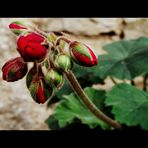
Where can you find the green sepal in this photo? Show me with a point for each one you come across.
(33, 89)
(19, 23)
(48, 90)
(17, 32)
(30, 76)
(81, 49)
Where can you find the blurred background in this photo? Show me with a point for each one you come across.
(17, 109)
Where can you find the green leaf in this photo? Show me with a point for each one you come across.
(82, 73)
(125, 59)
(70, 108)
(52, 123)
(129, 105)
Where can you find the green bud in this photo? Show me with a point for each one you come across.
(63, 62)
(54, 78)
(51, 37)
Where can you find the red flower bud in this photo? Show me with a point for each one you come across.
(14, 69)
(17, 27)
(30, 47)
(82, 54)
(39, 90)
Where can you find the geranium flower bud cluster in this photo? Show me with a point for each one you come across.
(50, 57)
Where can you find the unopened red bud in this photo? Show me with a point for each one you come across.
(17, 27)
(30, 47)
(82, 54)
(14, 69)
(39, 90)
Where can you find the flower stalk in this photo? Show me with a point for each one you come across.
(89, 104)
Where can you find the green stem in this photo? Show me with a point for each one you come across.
(36, 66)
(63, 39)
(90, 105)
(35, 28)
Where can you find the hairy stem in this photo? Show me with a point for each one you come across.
(36, 66)
(35, 28)
(90, 105)
(62, 38)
